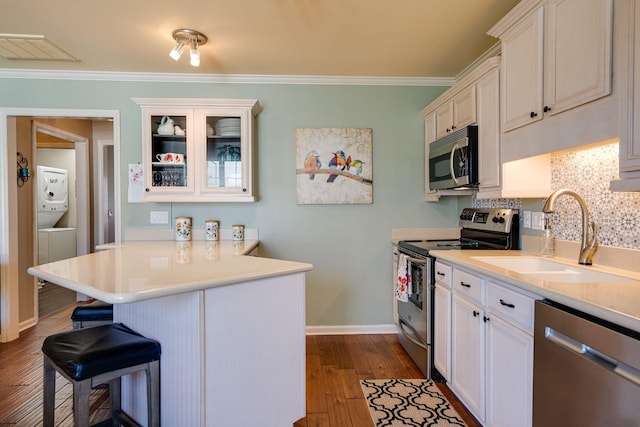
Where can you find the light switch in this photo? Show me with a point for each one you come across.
(537, 219)
(526, 219)
(159, 217)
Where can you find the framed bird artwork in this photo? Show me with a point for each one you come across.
(334, 166)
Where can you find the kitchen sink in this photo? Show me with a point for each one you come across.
(552, 271)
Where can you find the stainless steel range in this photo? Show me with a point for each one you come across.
(480, 229)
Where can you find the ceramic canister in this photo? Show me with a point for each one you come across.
(183, 228)
(211, 229)
(237, 232)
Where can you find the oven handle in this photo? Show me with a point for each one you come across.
(401, 324)
(451, 156)
(417, 260)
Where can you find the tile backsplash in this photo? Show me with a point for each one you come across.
(588, 172)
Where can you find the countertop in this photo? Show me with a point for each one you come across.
(616, 302)
(141, 270)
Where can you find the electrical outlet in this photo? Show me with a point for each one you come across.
(537, 220)
(526, 219)
(158, 217)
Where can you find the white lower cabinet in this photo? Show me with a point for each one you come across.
(467, 362)
(442, 331)
(509, 375)
(492, 349)
(442, 320)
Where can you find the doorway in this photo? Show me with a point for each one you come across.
(61, 227)
(18, 308)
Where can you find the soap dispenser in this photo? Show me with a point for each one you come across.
(547, 241)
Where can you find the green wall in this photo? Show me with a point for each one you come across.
(349, 245)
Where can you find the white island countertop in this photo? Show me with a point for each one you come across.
(141, 270)
(616, 302)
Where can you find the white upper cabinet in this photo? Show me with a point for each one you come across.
(198, 150)
(522, 71)
(629, 98)
(457, 113)
(472, 100)
(556, 55)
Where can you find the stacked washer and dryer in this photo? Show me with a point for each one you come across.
(54, 243)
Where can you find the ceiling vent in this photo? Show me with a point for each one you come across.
(32, 47)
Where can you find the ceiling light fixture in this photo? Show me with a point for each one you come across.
(193, 38)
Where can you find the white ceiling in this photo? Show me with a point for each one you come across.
(378, 38)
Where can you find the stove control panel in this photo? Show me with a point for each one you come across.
(498, 220)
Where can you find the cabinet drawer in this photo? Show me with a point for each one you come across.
(468, 285)
(511, 306)
(442, 273)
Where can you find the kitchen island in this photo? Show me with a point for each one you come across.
(231, 327)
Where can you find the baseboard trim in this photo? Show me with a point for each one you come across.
(351, 329)
(27, 324)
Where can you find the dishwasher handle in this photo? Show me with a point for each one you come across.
(599, 358)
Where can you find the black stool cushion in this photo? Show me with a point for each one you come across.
(85, 353)
(97, 310)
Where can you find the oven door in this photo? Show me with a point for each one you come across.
(414, 322)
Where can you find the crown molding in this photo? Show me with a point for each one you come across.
(223, 78)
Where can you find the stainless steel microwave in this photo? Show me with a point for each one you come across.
(453, 160)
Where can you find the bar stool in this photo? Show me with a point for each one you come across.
(96, 313)
(95, 355)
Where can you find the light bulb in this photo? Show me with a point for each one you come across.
(195, 54)
(176, 52)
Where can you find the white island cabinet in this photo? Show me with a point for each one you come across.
(198, 150)
(231, 327)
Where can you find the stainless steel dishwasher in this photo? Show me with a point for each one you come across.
(586, 371)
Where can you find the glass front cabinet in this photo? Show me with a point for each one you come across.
(198, 150)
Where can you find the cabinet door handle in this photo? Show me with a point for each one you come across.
(486, 319)
(533, 114)
(466, 285)
(546, 109)
(439, 273)
(476, 313)
(453, 127)
(506, 304)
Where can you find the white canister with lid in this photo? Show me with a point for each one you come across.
(183, 228)
(211, 230)
(237, 232)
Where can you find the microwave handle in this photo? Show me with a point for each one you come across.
(451, 156)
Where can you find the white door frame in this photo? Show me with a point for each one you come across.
(9, 292)
(100, 204)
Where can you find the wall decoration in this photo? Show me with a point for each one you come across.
(334, 166)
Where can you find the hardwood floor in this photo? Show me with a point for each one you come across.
(21, 378)
(335, 366)
(52, 298)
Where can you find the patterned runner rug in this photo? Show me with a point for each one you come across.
(415, 403)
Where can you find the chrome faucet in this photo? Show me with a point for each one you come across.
(589, 246)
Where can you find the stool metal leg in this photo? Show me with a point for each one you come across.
(81, 392)
(49, 394)
(116, 401)
(153, 393)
